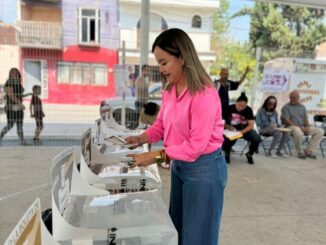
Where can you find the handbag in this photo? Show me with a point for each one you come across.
(18, 107)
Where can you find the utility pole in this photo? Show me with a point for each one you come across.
(144, 30)
(255, 82)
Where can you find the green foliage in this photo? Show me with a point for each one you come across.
(229, 54)
(236, 57)
(283, 30)
(221, 20)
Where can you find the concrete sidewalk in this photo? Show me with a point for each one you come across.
(274, 202)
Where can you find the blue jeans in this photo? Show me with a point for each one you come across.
(196, 198)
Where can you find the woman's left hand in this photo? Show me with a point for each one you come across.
(143, 159)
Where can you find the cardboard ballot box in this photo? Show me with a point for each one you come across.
(30, 230)
(83, 214)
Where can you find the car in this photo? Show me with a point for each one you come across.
(154, 95)
(117, 103)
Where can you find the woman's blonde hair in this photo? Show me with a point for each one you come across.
(177, 43)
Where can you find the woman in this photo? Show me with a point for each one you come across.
(14, 107)
(267, 121)
(193, 136)
(240, 118)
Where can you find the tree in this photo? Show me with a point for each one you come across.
(221, 24)
(229, 54)
(283, 30)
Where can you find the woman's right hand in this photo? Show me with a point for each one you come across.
(133, 140)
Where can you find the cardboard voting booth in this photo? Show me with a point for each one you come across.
(30, 230)
(112, 173)
(83, 214)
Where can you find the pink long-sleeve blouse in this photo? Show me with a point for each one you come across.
(191, 125)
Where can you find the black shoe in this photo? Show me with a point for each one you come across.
(37, 141)
(249, 158)
(227, 158)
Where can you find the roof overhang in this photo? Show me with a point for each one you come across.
(306, 3)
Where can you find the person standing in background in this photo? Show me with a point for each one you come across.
(14, 107)
(223, 85)
(132, 78)
(142, 88)
(190, 124)
(36, 110)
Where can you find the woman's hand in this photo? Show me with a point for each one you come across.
(231, 128)
(134, 141)
(144, 159)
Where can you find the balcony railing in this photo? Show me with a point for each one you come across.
(37, 34)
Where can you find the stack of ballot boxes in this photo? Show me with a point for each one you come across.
(98, 199)
(107, 200)
(111, 170)
(85, 214)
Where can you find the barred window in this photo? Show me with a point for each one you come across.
(196, 21)
(89, 26)
(82, 73)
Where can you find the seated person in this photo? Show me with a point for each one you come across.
(240, 118)
(294, 116)
(149, 113)
(267, 121)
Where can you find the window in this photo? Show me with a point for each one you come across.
(157, 24)
(82, 73)
(89, 26)
(196, 21)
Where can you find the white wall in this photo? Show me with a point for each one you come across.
(9, 58)
(177, 16)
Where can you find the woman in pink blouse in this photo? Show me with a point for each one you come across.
(190, 123)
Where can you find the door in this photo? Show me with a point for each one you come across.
(34, 74)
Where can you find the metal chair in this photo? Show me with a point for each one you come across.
(320, 121)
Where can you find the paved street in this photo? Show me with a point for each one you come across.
(272, 202)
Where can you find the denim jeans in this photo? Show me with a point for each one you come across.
(196, 198)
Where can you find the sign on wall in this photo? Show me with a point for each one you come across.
(275, 80)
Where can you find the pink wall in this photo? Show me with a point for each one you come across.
(72, 93)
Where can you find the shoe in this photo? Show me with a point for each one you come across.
(301, 156)
(23, 143)
(227, 158)
(272, 155)
(249, 158)
(37, 141)
(280, 154)
(310, 155)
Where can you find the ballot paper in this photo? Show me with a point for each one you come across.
(232, 135)
(116, 140)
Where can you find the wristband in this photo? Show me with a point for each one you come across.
(164, 156)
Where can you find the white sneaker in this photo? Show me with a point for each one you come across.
(280, 154)
(272, 155)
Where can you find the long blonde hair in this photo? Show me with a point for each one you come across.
(177, 43)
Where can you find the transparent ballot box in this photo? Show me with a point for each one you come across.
(111, 145)
(112, 172)
(83, 214)
(107, 128)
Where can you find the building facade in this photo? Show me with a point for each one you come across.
(69, 48)
(193, 16)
